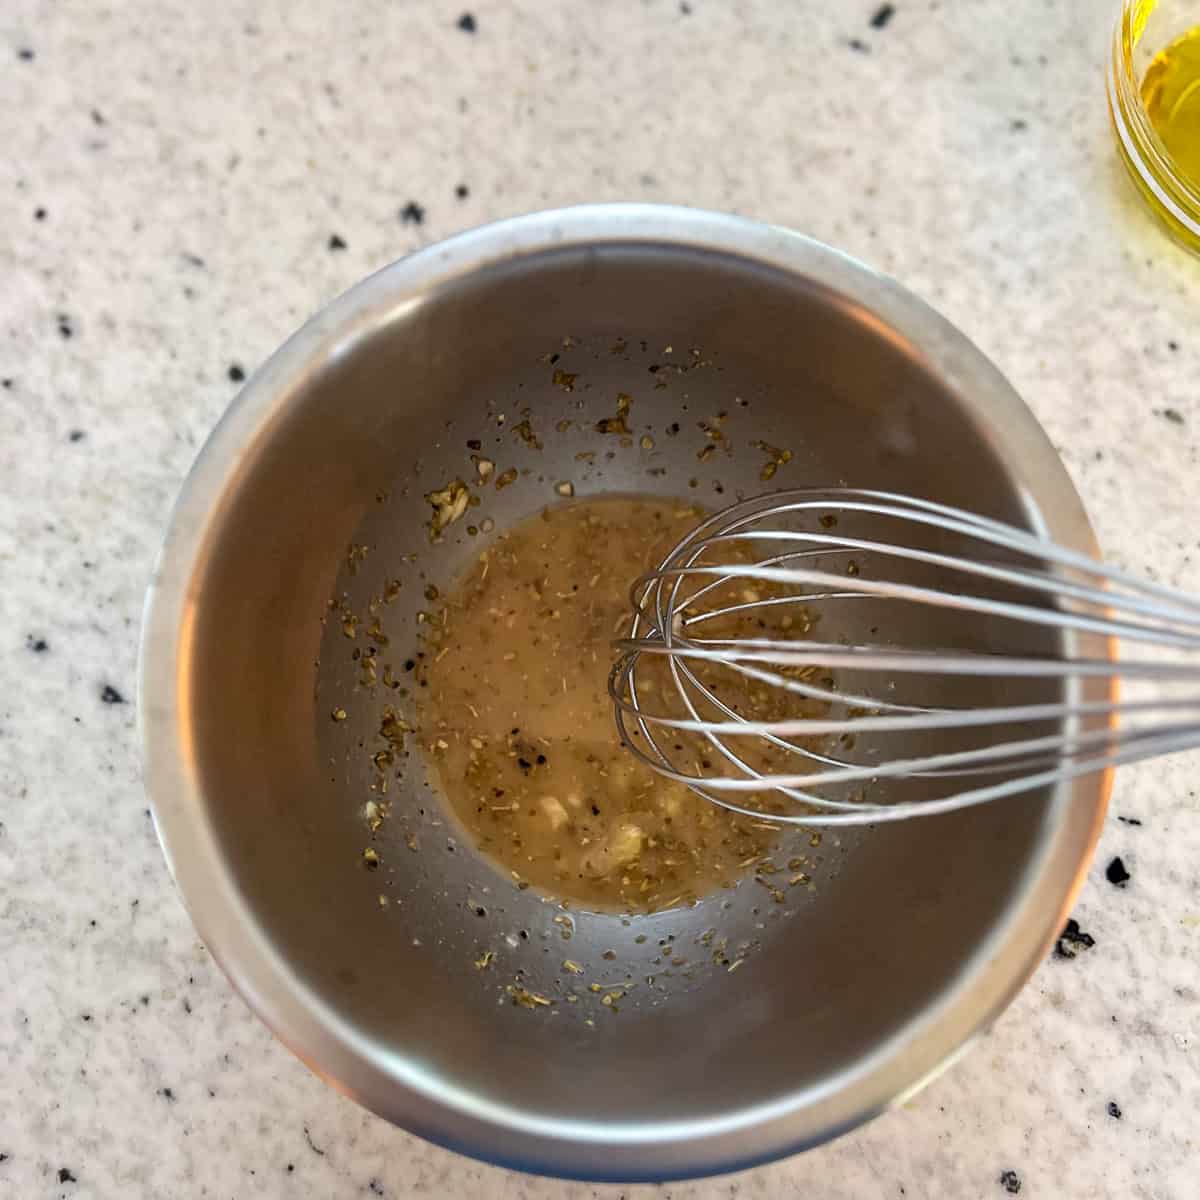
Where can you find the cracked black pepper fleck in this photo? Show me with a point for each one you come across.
(236, 373)
(859, 45)
(37, 645)
(39, 214)
(64, 326)
(1114, 1110)
(167, 1094)
(1130, 820)
(467, 23)
(462, 191)
(1010, 1181)
(25, 54)
(1116, 874)
(66, 1175)
(336, 243)
(412, 213)
(883, 14)
(76, 435)
(1171, 414)
(110, 695)
(1072, 940)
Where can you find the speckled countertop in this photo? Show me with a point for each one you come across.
(181, 184)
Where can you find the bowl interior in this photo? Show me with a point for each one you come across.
(899, 915)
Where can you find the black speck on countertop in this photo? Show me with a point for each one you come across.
(97, 117)
(1116, 874)
(6, 383)
(1113, 1109)
(336, 243)
(38, 645)
(76, 435)
(166, 1093)
(467, 23)
(859, 45)
(65, 328)
(66, 1175)
(39, 214)
(1010, 1181)
(1130, 820)
(1172, 345)
(883, 14)
(25, 54)
(1018, 125)
(236, 372)
(412, 213)
(1072, 940)
(110, 695)
(1171, 414)
(462, 191)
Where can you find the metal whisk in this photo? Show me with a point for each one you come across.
(840, 656)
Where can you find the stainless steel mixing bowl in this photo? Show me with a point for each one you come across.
(912, 937)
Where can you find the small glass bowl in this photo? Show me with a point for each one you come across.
(1145, 28)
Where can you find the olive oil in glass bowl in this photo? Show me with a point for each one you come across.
(1154, 99)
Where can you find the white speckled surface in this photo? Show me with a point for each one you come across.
(193, 166)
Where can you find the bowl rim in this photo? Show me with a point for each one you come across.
(402, 1092)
